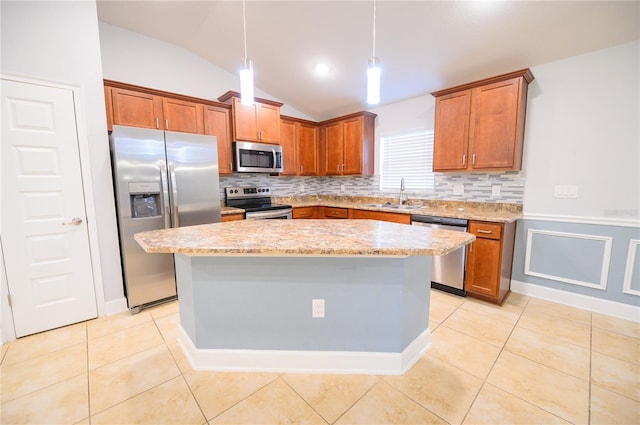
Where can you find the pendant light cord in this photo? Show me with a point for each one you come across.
(244, 24)
(374, 28)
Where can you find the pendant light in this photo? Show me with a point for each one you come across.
(246, 68)
(373, 71)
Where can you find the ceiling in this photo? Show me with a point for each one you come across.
(423, 46)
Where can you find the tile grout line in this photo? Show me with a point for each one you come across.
(516, 354)
(305, 400)
(502, 348)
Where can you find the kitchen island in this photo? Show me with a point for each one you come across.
(246, 291)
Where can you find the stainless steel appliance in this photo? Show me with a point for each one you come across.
(162, 179)
(447, 273)
(256, 201)
(253, 157)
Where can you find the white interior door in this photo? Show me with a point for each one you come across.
(44, 231)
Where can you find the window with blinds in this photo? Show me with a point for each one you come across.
(409, 156)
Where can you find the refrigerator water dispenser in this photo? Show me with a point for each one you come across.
(145, 199)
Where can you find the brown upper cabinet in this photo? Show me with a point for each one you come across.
(136, 106)
(299, 140)
(480, 126)
(217, 122)
(259, 122)
(347, 144)
(140, 109)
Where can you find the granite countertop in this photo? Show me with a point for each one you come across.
(304, 237)
(482, 211)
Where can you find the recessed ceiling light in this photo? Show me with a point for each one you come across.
(322, 69)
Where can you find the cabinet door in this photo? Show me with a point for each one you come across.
(216, 123)
(353, 137)
(180, 115)
(308, 150)
(245, 121)
(483, 267)
(136, 109)
(268, 123)
(451, 131)
(494, 125)
(333, 149)
(288, 141)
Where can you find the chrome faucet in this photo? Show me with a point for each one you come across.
(402, 198)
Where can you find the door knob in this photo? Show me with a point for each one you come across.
(74, 222)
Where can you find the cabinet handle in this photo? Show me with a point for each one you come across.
(487, 232)
(166, 124)
(339, 167)
(231, 165)
(464, 159)
(157, 123)
(473, 159)
(301, 168)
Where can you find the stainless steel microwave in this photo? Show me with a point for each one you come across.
(250, 157)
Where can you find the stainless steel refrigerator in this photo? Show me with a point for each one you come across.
(162, 179)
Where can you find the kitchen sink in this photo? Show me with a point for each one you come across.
(394, 206)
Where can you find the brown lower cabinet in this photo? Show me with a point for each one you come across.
(333, 212)
(305, 212)
(489, 260)
(380, 215)
(232, 217)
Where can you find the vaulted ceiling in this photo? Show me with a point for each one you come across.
(423, 46)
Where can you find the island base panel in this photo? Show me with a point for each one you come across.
(373, 305)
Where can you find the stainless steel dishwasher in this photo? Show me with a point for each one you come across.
(447, 273)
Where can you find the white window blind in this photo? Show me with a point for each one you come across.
(409, 156)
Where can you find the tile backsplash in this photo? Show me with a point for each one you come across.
(477, 187)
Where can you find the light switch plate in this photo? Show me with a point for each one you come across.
(458, 189)
(565, 191)
(495, 190)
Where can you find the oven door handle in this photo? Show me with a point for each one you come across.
(261, 215)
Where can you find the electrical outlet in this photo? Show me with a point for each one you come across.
(342, 188)
(458, 189)
(317, 308)
(565, 191)
(495, 190)
(301, 188)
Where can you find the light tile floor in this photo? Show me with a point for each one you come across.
(529, 361)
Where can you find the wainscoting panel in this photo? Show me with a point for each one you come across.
(632, 271)
(599, 261)
(572, 258)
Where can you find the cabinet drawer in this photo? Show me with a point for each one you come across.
(231, 217)
(486, 230)
(304, 212)
(336, 212)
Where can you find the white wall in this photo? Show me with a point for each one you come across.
(583, 128)
(58, 42)
(134, 58)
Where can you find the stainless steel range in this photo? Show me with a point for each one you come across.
(256, 201)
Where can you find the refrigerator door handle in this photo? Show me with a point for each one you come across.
(174, 196)
(164, 183)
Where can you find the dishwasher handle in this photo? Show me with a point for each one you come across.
(445, 221)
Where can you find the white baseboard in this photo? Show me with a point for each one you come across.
(610, 308)
(116, 306)
(288, 361)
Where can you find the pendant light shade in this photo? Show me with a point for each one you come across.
(373, 70)
(246, 82)
(373, 81)
(246, 67)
